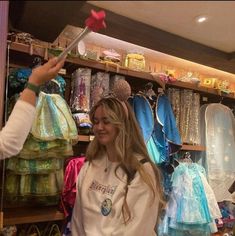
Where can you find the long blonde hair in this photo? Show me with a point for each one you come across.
(129, 147)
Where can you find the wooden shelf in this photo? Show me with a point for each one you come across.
(85, 138)
(187, 147)
(31, 215)
(194, 87)
(40, 51)
(25, 215)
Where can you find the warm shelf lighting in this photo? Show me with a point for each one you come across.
(104, 41)
(201, 19)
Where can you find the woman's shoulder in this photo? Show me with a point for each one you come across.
(146, 168)
(144, 161)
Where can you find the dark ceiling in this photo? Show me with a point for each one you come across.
(46, 19)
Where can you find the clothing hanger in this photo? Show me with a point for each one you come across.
(51, 87)
(221, 99)
(186, 158)
(175, 162)
(55, 81)
(149, 92)
(167, 167)
(37, 61)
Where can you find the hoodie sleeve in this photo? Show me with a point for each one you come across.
(76, 221)
(16, 130)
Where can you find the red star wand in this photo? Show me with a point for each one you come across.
(93, 23)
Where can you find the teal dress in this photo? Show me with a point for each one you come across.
(189, 210)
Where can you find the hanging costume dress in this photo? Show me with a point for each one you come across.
(36, 173)
(158, 126)
(192, 207)
(161, 134)
(219, 137)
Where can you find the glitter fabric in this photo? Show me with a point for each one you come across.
(99, 86)
(122, 89)
(186, 104)
(35, 148)
(40, 166)
(35, 185)
(80, 90)
(54, 119)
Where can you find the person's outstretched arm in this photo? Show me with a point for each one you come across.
(39, 76)
(17, 128)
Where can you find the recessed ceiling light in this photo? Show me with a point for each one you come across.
(201, 19)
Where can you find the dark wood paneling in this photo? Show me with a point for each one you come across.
(44, 19)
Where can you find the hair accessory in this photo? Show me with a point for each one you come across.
(122, 90)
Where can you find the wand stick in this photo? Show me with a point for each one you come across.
(93, 23)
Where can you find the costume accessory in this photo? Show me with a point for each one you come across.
(106, 207)
(106, 164)
(33, 87)
(122, 89)
(93, 23)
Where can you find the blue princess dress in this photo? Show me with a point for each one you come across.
(192, 207)
(166, 133)
(145, 117)
(161, 134)
(159, 130)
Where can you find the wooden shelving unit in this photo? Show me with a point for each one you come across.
(85, 138)
(40, 51)
(188, 147)
(194, 87)
(42, 214)
(31, 215)
(185, 147)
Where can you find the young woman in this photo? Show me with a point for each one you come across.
(118, 190)
(16, 130)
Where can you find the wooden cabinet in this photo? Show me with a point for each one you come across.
(31, 215)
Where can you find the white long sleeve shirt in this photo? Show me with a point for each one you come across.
(94, 186)
(16, 130)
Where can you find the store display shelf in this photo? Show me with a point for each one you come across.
(189, 147)
(195, 87)
(186, 147)
(40, 51)
(31, 215)
(111, 67)
(85, 138)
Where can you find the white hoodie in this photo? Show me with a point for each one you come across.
(16, 130)
(94, 186)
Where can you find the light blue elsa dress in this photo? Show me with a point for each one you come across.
(192, 207)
